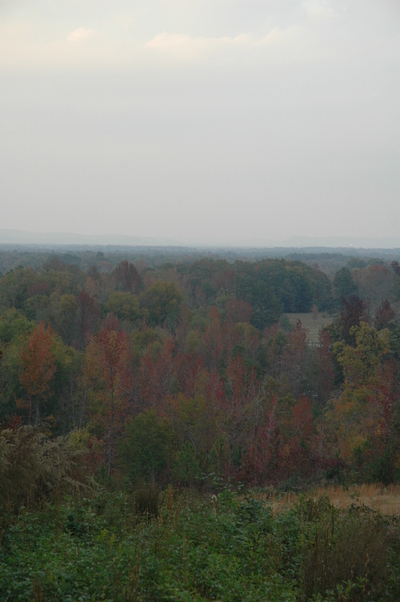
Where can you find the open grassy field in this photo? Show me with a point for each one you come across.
(385, 500)
(313, 323)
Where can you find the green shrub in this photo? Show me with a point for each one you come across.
(186, 468)
(346, 548)
(146, 500)
(33, 468)
(146, 447)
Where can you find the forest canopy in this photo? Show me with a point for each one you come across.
(203, 353)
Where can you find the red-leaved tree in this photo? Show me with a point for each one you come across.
(108, 368)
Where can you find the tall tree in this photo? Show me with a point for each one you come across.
(161, 299)
(89, 318)
(365, 403)
(128, 277)
(37, 368)
(156, 378)
(353, 313)
(294, 359)
(344, 284)
(384, 317)
(108, 368)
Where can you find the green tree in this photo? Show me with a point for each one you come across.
(127, 277)
(146, 448)
(14, 331)
(364, 406)
(361, 363)
(161, 299)
(186, 468)
(344, 284)
(125, 306)
(63, 316)
(12, 324)
(16, 286)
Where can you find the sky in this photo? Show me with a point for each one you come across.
(201, 121)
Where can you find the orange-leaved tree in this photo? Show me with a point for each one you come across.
(37, 368)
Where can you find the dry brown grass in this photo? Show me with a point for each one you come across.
(385, 500)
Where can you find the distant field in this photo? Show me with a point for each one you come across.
(385, 500)
(311, 322)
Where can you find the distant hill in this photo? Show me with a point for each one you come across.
(341, 242)
(20, 237)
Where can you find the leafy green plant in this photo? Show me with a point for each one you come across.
(230, 548)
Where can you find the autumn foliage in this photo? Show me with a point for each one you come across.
(202, 353)
(37, 369)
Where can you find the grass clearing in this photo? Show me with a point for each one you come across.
(385, 500)
(312, 322)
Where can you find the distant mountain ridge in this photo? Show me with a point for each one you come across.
(343, 242)
(20, 237)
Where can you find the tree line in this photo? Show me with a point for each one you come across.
(191, 371)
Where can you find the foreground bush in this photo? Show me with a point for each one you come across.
(32, 467)
(234, 550)
(352, 548)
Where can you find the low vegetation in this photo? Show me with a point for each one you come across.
(187, 547)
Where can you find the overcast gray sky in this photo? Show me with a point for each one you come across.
(222, 121)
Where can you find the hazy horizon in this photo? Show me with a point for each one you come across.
(70, 239)
(212, 122)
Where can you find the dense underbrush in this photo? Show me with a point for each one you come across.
(181, 546)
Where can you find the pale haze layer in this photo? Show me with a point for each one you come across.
(202, 121)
